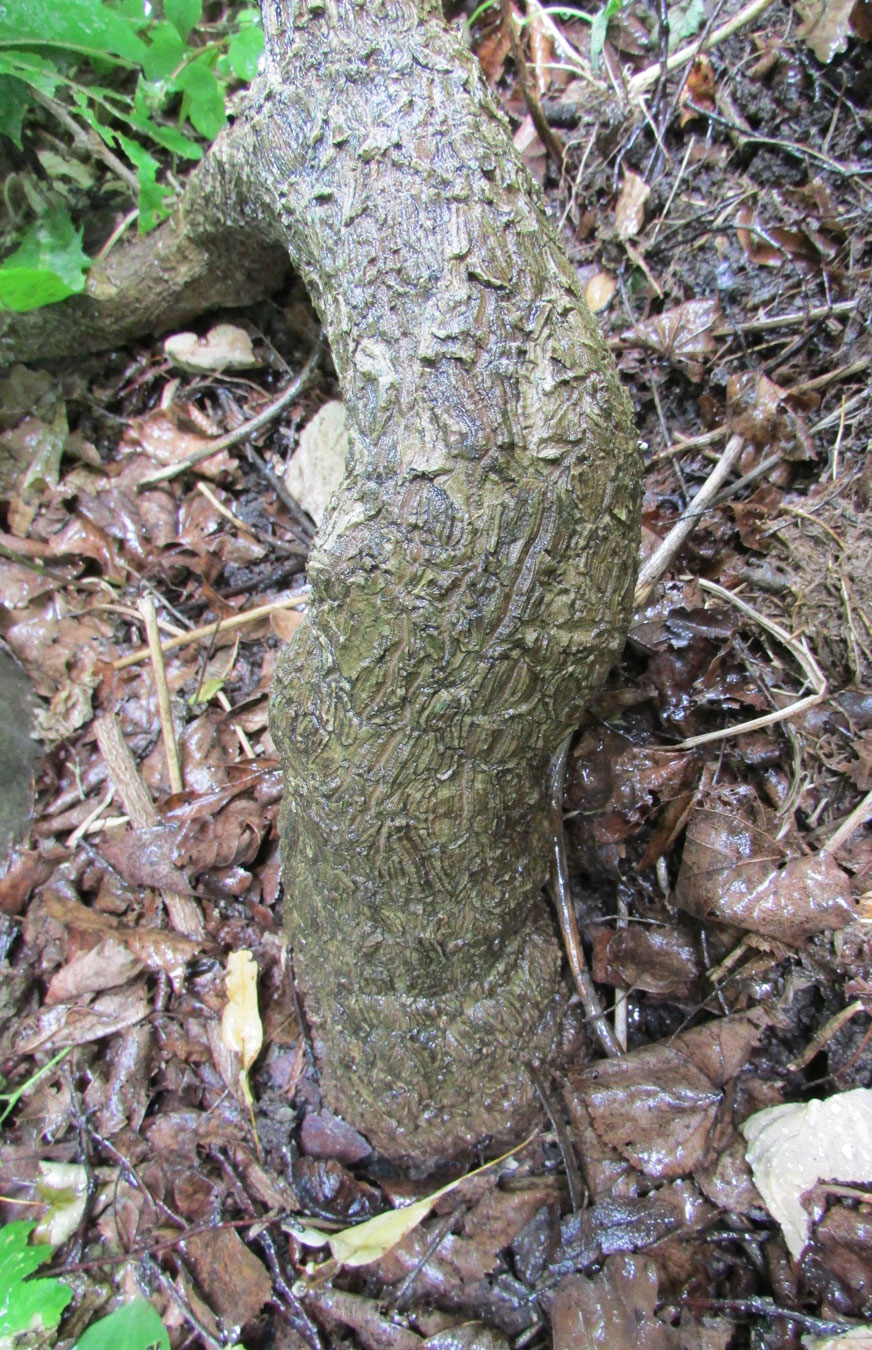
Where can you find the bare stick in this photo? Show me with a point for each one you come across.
(209, 629)
(566, 913)
(797, 649)
(241, 433)
(860, 814)
(146, 609)
(124, 773)
(662, 556)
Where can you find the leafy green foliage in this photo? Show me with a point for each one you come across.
(135, 1326)
(48, 264)
(147, 88)
(27, 1305)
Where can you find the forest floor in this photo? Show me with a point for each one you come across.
(717, 797)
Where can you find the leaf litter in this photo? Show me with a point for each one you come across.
(718, 231)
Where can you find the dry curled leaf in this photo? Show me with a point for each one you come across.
(827, 25)
(225, 347)
(630, 206)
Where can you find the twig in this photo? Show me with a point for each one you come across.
(577, 1194)
(662, 556)
(209, 629)
(797, 649)
(241, 433)
(531, 97)
(651, 74)
(88, 140)
(566, 914)
(825, 1035)
(860, 814)
(146, 608)
(124, 773)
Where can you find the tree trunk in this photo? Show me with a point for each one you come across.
(471, 585)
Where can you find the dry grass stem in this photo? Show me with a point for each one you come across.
(213, 629)
(798, 650)
(146, 608)
(662, 556)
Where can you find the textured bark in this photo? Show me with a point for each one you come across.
(471, 587)
(472, 583)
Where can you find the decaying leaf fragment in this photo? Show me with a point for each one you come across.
(241, 1027)
(792, 1147)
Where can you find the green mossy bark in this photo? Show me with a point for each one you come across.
(474, 579)
(470, 589)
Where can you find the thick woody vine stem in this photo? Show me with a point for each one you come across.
(474, 578)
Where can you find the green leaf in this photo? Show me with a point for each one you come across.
(26, 1305)
(84, 25)
(203, 100)
(48, 265)
(135, 1326)
(152, 194)
(166, 53)
(244, 52)
(32, 69)
(183, 15)
(169, 137)
(599, 28)
(685, 20)
(14, 100)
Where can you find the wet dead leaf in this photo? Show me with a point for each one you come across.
(236, 1283)
(105, 966)
(160, 439)
(657, 1105)
(63, 1024)
(792, 1147)
(630, 206)
(683, 335)
(733, 870)
(612, 1310)
(826, 26)
(757, 409)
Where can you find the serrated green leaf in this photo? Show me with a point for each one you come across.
(14, 100)
(203, 101)
(166, 53)
(48, 265)
(183, 14)
(169, 137)
(244, 52)
(26, 1305)
(83, 25)
(152, 194)
(135, 1326)
(31, 68)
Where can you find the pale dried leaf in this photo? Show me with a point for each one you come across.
(369, 1241)
(599, 290)
(826, 26)
(630, 206)
(225, 347)
(241, 1027)
(318, 465)
(793, 1147)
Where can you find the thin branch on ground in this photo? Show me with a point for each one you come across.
(221, 626)
(247, 429)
